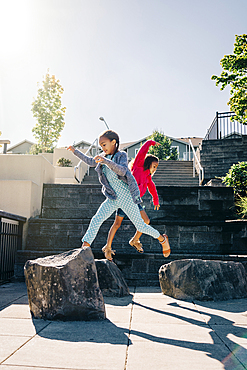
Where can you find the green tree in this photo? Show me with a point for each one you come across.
(49, 113)
(234, 74)
(164, 150)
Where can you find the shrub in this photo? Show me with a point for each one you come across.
(242, 206)
(63, 162)
(237, 178)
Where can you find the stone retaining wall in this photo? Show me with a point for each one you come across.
(217, 156)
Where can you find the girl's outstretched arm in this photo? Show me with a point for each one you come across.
(85, 158)
(140, 157)
(153, 191)
(120, 168)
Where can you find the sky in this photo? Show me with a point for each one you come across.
(143, 65)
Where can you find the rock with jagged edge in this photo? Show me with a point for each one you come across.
(65, 287)
(111, 280)
(196, 279)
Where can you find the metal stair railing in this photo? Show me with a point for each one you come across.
(78, 167)
(11, 232)
(196, 160)
(225, 127)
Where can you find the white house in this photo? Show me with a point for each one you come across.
(21, 148)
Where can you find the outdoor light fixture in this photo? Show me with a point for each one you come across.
(102, 119)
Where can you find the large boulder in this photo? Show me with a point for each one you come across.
(111, 280)
(65, 287)
(191, 279)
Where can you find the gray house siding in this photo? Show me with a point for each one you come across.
(182, 148)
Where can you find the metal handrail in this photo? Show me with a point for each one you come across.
(223, 127)
(201, 170)
(78, 167)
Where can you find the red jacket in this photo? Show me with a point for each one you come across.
(144, 178)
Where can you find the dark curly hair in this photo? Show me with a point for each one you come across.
(111, 135)
(149, 159)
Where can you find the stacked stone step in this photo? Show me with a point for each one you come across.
(194, 218)
(217, 156)
(175, 173)
(91, 177)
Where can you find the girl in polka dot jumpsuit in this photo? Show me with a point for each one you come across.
(120, 189)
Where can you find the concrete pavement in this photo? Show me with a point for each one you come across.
(146, 330)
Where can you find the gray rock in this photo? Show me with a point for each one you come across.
(65, 287)
(111, 280)
(244, 263)
(190, 279)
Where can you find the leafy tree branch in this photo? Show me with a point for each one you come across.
(234, 74)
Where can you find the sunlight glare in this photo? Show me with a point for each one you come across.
(13, 26)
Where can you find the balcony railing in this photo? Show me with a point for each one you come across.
(223, 127)
(11, 229)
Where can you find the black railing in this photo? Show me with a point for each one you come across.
(223, 127)
(11, 229)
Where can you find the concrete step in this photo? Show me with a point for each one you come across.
(92, 178)
(65, 180)
(90, 181)
(187, 183)
(175, 173)
(168, 173)
(184, 236)
(177, 202)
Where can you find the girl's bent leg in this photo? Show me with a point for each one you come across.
(145, 218)
(107, 248)
(113, 230)
(166, 250)
(105, 210)
(132, 211)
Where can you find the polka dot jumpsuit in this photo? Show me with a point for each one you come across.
(124, 201)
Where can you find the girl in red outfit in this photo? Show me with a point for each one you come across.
(142, 168)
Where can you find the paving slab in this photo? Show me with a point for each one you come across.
(10, 292)
(95, 354)
(235, 338)
(144, 330)
(171, 333)
(224, 312)
(146, 355)
(119, 315)
(16, 311)
(7, 367)
(167, 314)
(21, 327)
(103, 331)
(9, 344)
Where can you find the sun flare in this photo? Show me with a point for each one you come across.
(13, 26)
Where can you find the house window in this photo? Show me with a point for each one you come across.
(136, 151)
